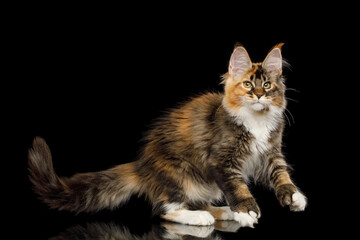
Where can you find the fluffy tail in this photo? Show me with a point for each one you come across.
(84, 192)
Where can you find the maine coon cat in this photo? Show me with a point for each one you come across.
(207, 149)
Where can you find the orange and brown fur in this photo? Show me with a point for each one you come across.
(207, 149)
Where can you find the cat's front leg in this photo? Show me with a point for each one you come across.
(247, 212)
(241, 202)
(286, 191)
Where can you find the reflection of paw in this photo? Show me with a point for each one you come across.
(227, 226)
(246, 219)
(176, 230)
(298, 202)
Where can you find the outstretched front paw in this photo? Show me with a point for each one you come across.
(299, 202)
(288, 195)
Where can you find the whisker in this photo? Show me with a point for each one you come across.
(288, 120)
(292, 117)
(293, 89)
(286, 115)
(291, 99)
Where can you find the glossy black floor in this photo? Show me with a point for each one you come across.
(134, 221)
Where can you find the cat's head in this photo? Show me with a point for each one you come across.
(257, 86)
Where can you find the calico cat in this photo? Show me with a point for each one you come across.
(207, 149)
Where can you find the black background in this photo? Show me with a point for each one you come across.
(90, 80)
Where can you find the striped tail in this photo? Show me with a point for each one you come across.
(84, 192)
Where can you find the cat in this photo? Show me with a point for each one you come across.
(209, 148)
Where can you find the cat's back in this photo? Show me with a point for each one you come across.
(196, 114)
(198, 107)
(187, 124)
(190, 112)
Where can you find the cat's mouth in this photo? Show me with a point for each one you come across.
(258, 106)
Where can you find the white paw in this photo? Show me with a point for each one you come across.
(246, 219)
(199, 218)
(299, 202)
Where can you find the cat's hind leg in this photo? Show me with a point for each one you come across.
(221, 213)
(225, 213)
(176, 212)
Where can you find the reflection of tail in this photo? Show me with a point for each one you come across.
(81, 192)
(101, 231)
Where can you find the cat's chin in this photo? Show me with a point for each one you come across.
(258, 107)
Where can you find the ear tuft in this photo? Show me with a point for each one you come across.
(240, 62)
(279, 45)
(273, 61)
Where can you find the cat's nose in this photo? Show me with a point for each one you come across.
(259, 95)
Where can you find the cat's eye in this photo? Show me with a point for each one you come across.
(267, 85)
(247, 84)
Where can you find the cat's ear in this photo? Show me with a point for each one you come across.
(240, 62)
(273, 61)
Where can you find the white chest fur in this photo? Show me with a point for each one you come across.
(260, 125)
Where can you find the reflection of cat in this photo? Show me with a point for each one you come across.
(208, 148)
(166, 230)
